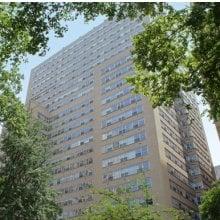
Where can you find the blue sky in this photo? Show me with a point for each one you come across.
(79, 28)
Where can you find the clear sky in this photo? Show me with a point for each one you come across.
(79, 28)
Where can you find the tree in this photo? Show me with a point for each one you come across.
(180, 51)
(210, 205)
(24, 185)
(121, 205)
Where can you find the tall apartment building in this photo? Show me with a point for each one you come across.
(103, 135)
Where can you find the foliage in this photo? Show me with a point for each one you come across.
(180, 51)
(121, 205)
(24, 27)
(210, 206)
(24, 186)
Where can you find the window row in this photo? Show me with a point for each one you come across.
(117, 95)
(73, 88)
(116, 74)
(75, 188)
(116, 38)
(80, 142)
(122, 116)
(124, 142)
(170, 111)
(72, 92)
(53, 90)
(133, 185)
(177, 174)
(168, 119)
(197, 185)
(171, 133)
(175, 160)
(71, 99)
(116, 64)
(114, 49)
(76, 134)
(182, 192)
(192, 158)
(77, 143)
(71, 213)
(127, 171)
(123, 129)
(70, 156)
(113, 86)
(72, 126)
(125, 156)
(72, 166)
(76, 200)
(72, 177)
(194, 171)
(121, 104)
(197, 157)
(73, 117)
(172, 145)
(64, 79)
(72, 109)
(176, 203)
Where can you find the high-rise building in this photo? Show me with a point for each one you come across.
(103, 135)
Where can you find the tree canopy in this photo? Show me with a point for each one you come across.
(129, 204)
(210, 206)
(180, 50)
(24, 175)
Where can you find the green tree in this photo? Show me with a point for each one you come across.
(121, 205)
(210, 205)
(24, 185)
(180, 51)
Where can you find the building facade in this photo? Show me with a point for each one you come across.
(105, 136)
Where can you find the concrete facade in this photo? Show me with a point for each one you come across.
(107, 137)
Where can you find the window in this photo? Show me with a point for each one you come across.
(123, 129)
(125, 156)
(121, 104)
(122, 116)
(117, 95)
(124, 142)
(130, 170)
(116, 74)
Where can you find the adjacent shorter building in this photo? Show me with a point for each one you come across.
(217, 172)
(217, 124)
(105, 136)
